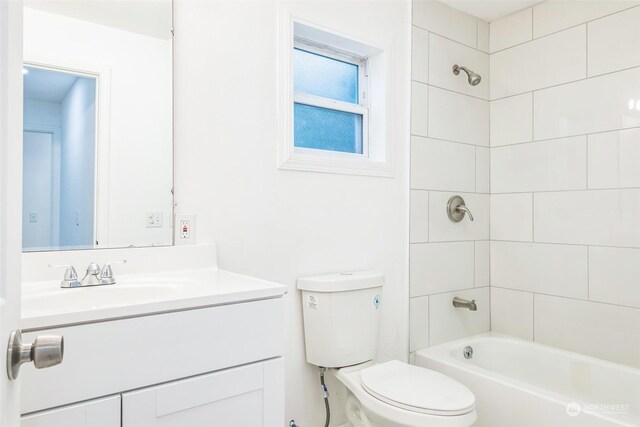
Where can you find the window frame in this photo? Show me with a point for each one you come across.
(381, 160)
(360, 108)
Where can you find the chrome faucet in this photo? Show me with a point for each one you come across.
(465, 303)
(95, 276)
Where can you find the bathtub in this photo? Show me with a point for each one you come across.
(525, 384)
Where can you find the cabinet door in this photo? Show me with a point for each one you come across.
(95, 413)
(250, 395)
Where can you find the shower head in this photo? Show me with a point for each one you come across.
(473, 78)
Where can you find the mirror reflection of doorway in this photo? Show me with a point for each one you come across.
(59, 160)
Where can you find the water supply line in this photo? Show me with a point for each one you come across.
(325, 395)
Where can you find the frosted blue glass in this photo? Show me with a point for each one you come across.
(322, 76)
(325, 129)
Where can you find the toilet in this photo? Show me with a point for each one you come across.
(341, 324)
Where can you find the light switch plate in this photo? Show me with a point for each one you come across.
(153, 219)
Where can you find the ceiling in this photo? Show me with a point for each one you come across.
(148, 17)
(490, 10)
(45, 85)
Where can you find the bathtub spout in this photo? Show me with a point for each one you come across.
(465, 303)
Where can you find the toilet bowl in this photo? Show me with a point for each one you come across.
(395, 394)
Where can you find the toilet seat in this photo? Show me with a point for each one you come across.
(380, 413)
(416, 389)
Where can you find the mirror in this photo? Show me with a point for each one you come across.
(98, 124)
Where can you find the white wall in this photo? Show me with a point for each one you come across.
(140, 156)
(37, 180)
(449, 156)
(565, 156)
(277, 224)
(42, 113)
(77, 165)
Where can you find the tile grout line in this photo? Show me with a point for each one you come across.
(561, 30)
(587, 160)
(533, 116)
(533, 213)
(586, 49)
(637, 248)
(447, 38)
(533, 306)
(460, 93)
(568, 82)
(454, 142)
(475, 170)
(610, 304)
(540, 243)
(588, 276)
(570, 190)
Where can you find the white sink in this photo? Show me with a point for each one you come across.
(132, 291)
(46, 304)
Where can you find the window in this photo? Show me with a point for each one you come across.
(333, 102)
(330, 111)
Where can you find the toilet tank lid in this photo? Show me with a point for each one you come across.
(342, 282)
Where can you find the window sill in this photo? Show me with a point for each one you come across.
(340, 164)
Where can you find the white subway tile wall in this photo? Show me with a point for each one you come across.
(552, 16)
(511, 217)
(444, 53)
(593, 105)
(449, 155)
(511, 120)
(544, 62)
(441, 267)
(557, 164)
(542, 268)
(512, 312)
(558, 148)
(511, 30)
(483, 36)
(441, 229)
(450, 323)
(420, 55)
(482, 259)
(457, 117)
(433, 160)
(419, 334)
(419, 106)
(613, 159)
(601, 330)
(565, 177)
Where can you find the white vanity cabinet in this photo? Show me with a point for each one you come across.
(250, 395)
(207, 366)
(95, 413)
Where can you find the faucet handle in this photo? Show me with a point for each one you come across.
(456, 209)
(106, 274)
(70, 276)
(93, 269)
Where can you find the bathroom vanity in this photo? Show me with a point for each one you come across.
(175, 348)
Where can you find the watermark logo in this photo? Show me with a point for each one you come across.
(574, 408)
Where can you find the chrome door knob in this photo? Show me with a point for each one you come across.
(46, 351)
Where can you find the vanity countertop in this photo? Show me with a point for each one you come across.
(46, 305)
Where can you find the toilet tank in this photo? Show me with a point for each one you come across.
(341, 317)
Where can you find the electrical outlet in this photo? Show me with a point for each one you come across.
(185, 229)
(153, 219)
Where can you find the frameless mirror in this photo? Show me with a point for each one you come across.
(98, 146)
